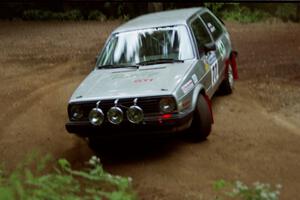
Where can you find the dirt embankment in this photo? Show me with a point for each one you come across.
(256, 135)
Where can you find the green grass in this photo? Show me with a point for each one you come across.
(245, 15)
(43, 181)
(71, 15)
(34, 182)
(240, 191)
(42, 15)
(97, 15)
(249, 14)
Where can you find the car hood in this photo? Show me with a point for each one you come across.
(150, 80)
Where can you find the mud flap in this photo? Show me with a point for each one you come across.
(232, 58)
(208, 101)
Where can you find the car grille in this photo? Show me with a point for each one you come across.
(150, 105)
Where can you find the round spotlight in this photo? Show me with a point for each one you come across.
(115, 115)
(135, 114)
(167, 105)
(76, 112)
(96, 117)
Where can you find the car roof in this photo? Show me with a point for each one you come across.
(159, 19)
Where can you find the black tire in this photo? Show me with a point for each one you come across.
(202, 120)
(227, 85)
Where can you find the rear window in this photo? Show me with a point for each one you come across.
(213, 25)
(201, 35)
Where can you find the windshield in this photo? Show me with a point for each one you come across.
(134, 47)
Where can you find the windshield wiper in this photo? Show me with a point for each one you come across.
(117, 66)
(159, 61)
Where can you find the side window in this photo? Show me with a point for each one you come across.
(213, 25)
(201, 35)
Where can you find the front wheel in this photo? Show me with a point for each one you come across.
(202, 120)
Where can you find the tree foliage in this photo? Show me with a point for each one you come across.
(97, 10)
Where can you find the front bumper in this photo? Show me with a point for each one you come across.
(150, 126)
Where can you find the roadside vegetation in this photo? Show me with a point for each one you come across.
(43, 181)
(39, 181)
(241, 191)
(235, 12)
(243, 13)
(73, 15)
(255, 13)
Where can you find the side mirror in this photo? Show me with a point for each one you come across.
(209, 47)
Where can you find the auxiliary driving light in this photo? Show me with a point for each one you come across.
(135, 114)
(96, 117)
(76, 112)
(115, 115)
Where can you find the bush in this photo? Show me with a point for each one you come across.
(58, 16)
(64, 183)
(216, 8)
(286, 11)
(238, 190)
(125, 18)
(74, 15)
(245, 15)
(36, 15)
(96, 15)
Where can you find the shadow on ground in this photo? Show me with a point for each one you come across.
(130, 150)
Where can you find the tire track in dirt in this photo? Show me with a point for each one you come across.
(292, 127)
(28, 102)
(36, 121)
(49, 80)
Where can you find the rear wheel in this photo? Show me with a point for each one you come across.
(227, 85)
(202, 120)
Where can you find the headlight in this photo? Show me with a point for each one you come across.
(167, 105)
(96, 116)
(135, 114)
(76, 112)
(115, 115)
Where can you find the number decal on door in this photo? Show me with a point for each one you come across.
(222, 49)
(214, 73)
(213, 62)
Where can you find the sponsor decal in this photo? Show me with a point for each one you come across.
(214, 73)
(211, 27)
(206, 67)
(213, 62)
(121, 75)
(212, 58)
(145, 80)
(187, 87)
(195, 78)
(222, 49)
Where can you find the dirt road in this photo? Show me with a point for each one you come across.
(256, 135)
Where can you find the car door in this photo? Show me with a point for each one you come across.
(208, 60)
(222, 42)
